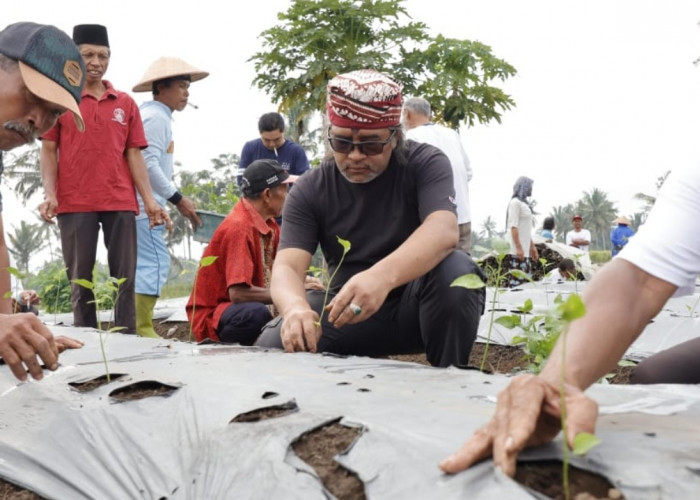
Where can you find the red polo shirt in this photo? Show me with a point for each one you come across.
(93, 175)
(246, 246)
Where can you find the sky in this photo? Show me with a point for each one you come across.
(606, 94)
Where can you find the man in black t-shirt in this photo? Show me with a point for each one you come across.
(393, 200)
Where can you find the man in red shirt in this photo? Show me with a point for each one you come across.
(92, 184)
(231, 300)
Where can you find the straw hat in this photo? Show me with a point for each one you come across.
(167, 67)
(622, 220)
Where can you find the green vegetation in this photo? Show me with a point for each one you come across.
(316, 40)
(599, 256)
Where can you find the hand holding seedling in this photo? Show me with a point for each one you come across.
(301, 329)
(528, 414)
(361, 296)
(22, 338)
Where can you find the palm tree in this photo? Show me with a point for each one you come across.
(637, 220)
(299, 130)
(488, 227)
(25, 242)
(24, 169)
(648, 199)
(598, 213)
(562, 221)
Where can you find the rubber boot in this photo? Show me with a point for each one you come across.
(144, 315)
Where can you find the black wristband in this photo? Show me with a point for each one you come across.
(175, 199)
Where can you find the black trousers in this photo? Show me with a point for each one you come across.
(426, 315)
(79, 234)
(241, 323)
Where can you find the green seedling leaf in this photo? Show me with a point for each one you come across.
(520, 274)
(315, 270)
(345, 243)
(208, 261)
(526, 307)
(585, 442)
(84, 283)
(468, 281)
(116, 328)
(8, 294)
(15, 272)
(518, 339)
(543, 261)
(509, 322)
(121, 281)
(573, 308)
(626, 362)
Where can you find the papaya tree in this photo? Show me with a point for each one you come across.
(316, 40)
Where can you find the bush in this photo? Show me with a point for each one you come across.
(599, 256)
(51, 284)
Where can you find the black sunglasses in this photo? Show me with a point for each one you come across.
(369, 148)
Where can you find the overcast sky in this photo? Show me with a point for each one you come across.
(606, 92)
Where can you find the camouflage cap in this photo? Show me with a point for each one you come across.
(50, 63)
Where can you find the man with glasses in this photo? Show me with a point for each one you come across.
(393, 200)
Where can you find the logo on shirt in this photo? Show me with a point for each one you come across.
(118, 116)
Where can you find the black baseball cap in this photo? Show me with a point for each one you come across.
(263, 174)
(50, 63)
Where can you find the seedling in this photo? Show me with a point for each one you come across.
(106, 296)
(204, 262)
(473, 281)
(573, 308)
(346, 248)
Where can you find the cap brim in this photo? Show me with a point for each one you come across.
(47, 89)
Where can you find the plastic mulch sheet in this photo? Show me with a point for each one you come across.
(62, 443)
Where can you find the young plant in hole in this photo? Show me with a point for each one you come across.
(569, 310)
(204, 262)
(346, 248)
(106, 295)
(473, 281)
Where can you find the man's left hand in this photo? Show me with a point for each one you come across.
(360, 298)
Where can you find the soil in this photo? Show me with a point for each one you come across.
(319, 447)
(538, 269)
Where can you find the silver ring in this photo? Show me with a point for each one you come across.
(355, 309)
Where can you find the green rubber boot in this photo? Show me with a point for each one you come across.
(144, 315)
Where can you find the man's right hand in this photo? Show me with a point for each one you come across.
(300, 330)
(188, 210)
(528, 414)
(22, 338)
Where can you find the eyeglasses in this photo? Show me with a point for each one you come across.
(369, 148)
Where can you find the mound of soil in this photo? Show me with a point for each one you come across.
(538, 270)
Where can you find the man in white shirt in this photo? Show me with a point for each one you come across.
(578, 237)
(416, 120)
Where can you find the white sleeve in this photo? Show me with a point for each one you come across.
(667, 245)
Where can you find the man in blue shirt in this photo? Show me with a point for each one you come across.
(621, 234)
(169, 79)
(272, 145)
